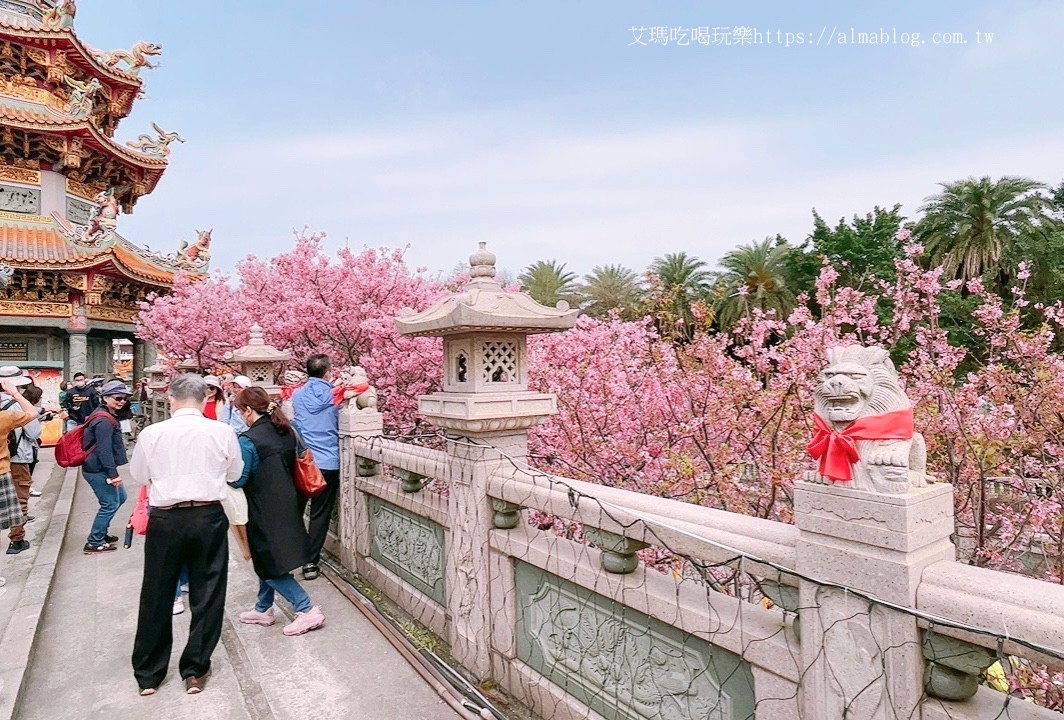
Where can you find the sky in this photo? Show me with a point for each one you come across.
(569, 131)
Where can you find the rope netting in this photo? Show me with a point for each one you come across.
(558, 598)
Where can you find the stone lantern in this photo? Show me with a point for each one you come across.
(485, 376)
(260, 362)
(156, 377)
(158, 408)
(486, 403)
(188, 365)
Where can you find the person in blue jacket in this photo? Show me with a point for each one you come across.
(101, 466)
(317, 419)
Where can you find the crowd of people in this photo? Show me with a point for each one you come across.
(224, 462)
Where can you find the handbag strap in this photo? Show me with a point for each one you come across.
(300, 445)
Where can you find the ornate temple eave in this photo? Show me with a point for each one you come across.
(81, 55)
(53, 122)
(482, 308)
(130, 261)
(35, 243)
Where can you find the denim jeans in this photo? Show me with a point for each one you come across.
(110, 497)
(288, 587)
(181, 580)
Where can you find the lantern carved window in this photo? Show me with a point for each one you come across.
(500, 361)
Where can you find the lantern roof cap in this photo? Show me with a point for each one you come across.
(485, 306)
(257, 350)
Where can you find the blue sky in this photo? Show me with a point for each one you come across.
(541, 129)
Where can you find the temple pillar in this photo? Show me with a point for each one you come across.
(138, 360)
(78, 355)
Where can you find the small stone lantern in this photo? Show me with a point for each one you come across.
(156, 377)
(485, 377)
(260, 362)
(158, 408)
(188, 365)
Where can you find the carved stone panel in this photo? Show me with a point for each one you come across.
(410, 546)
(17, 199)
(620, 662)
(78, 211)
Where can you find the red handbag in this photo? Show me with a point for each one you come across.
(308, 477)
(139, 519)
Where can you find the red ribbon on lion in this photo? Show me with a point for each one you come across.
(337, 392)
(837, 451)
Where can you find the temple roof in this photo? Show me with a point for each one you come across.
(17, 112)
(29, 30)
(37, 243)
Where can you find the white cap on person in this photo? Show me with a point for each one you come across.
(14, 375)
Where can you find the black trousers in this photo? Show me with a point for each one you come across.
(196, 538)
(321, 510)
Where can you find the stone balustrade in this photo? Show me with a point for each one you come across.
(705, 533)
(537, 582)
(400, 541)
(1009, 607)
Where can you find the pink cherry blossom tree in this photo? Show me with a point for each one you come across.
(200, 319)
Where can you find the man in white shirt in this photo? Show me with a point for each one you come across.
(186, 461)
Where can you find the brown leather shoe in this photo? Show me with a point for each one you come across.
(194, 685)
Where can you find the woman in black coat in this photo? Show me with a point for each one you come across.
(276, 534)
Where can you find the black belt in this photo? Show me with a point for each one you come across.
(189, 504)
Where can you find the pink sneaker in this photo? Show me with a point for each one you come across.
(305, 622)
(254, 617)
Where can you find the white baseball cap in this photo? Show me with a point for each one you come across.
(242, 380)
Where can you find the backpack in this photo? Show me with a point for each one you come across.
(13, 439)
(70, 450)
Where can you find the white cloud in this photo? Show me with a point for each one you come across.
(583, 197)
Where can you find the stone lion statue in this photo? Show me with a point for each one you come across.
(355, 379)
(865, 418)
(294, 377)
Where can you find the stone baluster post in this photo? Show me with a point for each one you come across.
(471, 514)
(354, 514)
(862, 659)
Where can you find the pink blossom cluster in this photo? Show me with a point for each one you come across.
(309, 301)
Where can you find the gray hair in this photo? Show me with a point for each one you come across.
(188, 387)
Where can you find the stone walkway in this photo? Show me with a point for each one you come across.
(80, 666)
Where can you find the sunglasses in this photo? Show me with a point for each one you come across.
(119, 398)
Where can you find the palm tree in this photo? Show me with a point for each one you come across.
(969, 226)
(678, 282)
(547, 283)
(612, 287)
(753, 277)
